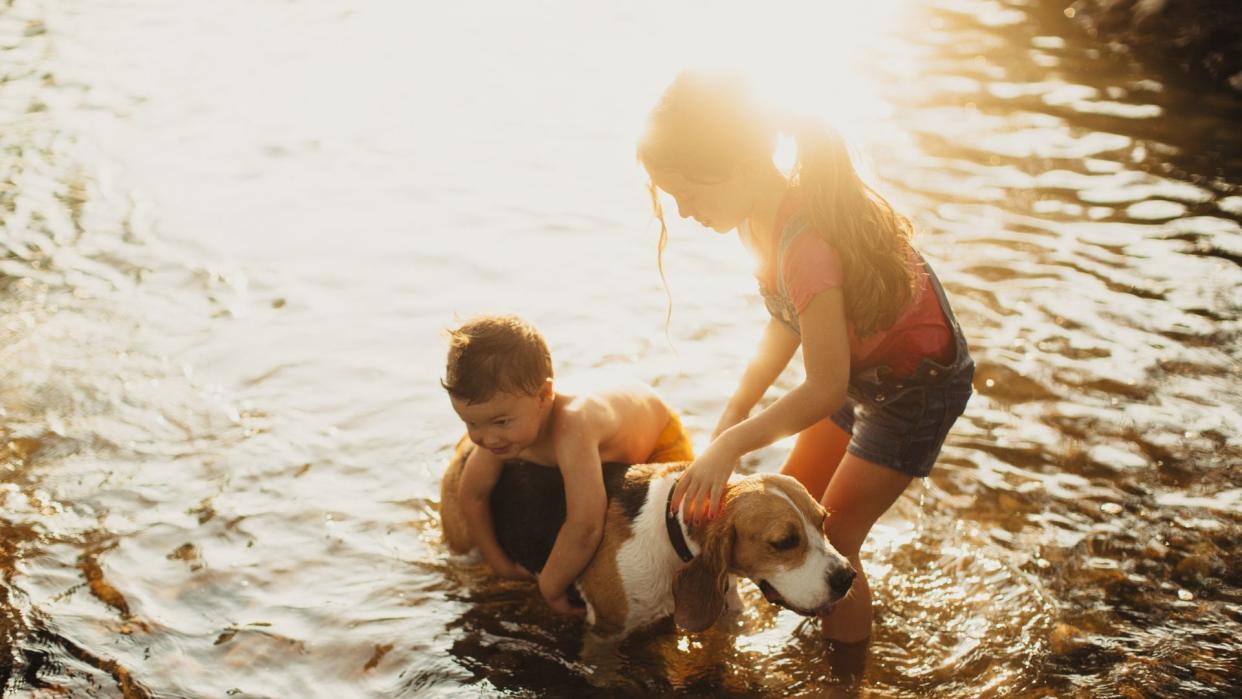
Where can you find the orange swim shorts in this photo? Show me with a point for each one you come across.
(673, 443)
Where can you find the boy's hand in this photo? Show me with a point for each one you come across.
(559, 601)
(698, 490)
(511, 570)
(560, 604)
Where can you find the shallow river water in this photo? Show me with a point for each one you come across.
(233, 234)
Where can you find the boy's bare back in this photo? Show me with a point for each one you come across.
(626, 418)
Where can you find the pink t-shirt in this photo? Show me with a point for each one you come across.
(812, 266)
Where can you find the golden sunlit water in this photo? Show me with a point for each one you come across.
(233, 232)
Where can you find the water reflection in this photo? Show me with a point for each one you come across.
(228, 254)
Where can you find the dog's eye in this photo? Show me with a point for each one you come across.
(786, 543)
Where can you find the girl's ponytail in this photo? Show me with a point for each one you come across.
(871, 237)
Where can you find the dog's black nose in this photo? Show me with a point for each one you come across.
(841, 580)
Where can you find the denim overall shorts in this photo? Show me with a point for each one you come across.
(898, 422)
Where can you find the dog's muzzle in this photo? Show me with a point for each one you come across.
(839, 583)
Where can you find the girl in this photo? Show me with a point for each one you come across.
(887, 367)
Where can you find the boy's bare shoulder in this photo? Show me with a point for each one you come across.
(608, 409)
(619, 397)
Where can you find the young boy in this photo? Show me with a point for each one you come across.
(499, 379)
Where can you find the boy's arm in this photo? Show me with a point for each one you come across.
(479, 476)
(577, 453)
(776, 348)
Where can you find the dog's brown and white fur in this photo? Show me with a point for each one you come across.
(770, 531)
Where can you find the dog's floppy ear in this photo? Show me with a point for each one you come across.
(699, 588)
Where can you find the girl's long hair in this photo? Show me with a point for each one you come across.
(705, 124)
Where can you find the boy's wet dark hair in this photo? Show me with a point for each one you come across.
(491, 354)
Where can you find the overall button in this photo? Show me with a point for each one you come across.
(934, 372)
(879, 397)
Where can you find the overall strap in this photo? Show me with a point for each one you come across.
(793, 226)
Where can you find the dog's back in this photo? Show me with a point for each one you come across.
(528, 507)
(528, 504)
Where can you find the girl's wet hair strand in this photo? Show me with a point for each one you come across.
(660, 245)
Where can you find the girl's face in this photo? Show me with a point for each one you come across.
(721, 205)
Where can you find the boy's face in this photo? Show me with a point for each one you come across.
(506, 423)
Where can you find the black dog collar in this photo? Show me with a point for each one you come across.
(675, 535)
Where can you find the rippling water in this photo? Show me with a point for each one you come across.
(233, 233)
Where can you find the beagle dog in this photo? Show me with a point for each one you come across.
(650, 564)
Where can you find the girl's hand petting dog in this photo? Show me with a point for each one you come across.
(698, 491)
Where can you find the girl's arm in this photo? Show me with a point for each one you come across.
(479, 476)
(577, 453)
(776, 348)
(826, 354)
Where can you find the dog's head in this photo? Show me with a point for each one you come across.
(771, 531)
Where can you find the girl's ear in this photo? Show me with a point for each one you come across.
(699, 587)
(749, 169)
(546, 391)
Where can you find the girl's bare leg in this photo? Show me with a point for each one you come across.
(859, 492)
(815, 456)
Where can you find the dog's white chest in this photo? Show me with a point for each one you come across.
(647, 562)
(647, 579)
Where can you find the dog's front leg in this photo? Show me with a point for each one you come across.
(602, 655)
(733, 600)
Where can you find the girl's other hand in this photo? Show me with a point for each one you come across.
(698, 491)
(728, 418)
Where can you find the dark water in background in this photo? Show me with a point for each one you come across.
(233, 233)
